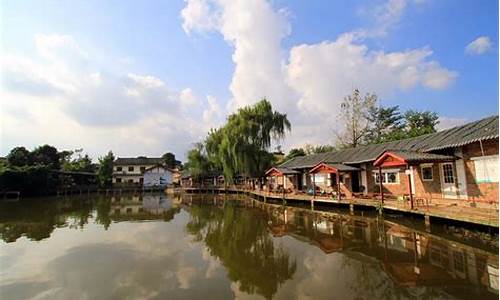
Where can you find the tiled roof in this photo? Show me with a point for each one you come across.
(138, 161)
(484, 129)
(412, 156)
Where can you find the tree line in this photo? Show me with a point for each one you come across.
(365, 122)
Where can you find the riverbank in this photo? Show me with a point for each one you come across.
(438, 211)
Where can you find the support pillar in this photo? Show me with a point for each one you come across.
(314, 185)
(381, 185)
(338, 186)
(408, 174)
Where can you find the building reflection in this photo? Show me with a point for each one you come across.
(411, 258)
(144, 207)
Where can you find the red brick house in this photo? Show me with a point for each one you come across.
(457, 163)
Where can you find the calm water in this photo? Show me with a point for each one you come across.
(159, 247)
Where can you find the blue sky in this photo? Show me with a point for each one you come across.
(153, 76)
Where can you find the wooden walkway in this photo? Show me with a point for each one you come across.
(471, 215)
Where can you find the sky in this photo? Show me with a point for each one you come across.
(148, 77)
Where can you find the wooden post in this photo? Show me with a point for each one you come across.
(314, 185)
(381, 185)
(337, 176)
(409, 185)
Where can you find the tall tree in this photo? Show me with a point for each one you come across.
(353, 114)
(46, 155)
(197, 161)
(19, 156)
(420, 122)
(240, 147)
(385, 124)
(76, 161)
(169, 159)
(295, 152)
(105, 171)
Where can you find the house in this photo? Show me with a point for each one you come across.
(457, 163)
(158, 176)
(130, 170)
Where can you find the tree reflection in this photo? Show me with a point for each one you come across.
(243, 244)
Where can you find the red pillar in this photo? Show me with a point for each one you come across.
(381, 185)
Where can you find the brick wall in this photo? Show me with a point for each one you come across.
(479, 191)
(428, 189)
(389, 188)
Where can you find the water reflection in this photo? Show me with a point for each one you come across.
(153, 246)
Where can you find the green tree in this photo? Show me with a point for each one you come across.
(198, 163)
(75, 161)
(353, 114)
(46, 155)
(19, 156)
(295, 152)
(310, 149)
(386, 124)
(240, 147)
(105, 170)
(420, 122)
(169, 159)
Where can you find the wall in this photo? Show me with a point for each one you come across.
(428, 189)
(157, 177)
(389, 188)
(479, 191)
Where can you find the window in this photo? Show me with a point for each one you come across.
(448, 176)
(319, 178)
(486, 168)
(143, 169)
(119, 169)
(131, 181)
(388, 176)
(427, 173)
(118, 180)
(131, 169)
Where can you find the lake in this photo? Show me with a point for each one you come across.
(156, 246)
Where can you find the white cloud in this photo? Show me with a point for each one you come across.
(311, 80)
(198, 16)
(449, 122)
(72, 104)
(479, 46)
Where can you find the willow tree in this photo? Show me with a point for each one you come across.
(241, 146)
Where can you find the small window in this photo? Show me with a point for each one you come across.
(131, 181)
(448, 176)
(131, 169)
(427, 173)
(118, 180)
(392, 177)
(143, 169)
(119, 169)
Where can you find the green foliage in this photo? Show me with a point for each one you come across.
(19, 156)
(29, 180)
(310, 149)
(386, 124)
(105, 171)
(75, 161)
(46, 155)
(420, 123)
(169, 159)
(241, 146)
(295, 152)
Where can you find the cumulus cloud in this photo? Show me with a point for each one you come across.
(480, 45)
(72, 102)
(310, 80)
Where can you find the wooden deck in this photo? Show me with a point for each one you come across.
(437, 209)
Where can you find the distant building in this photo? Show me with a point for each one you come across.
(130, 170)
(158, 176)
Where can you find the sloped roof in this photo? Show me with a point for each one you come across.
(138, 161)
(480, 130)
(411, 156)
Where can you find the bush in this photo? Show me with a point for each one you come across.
(29, 180)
